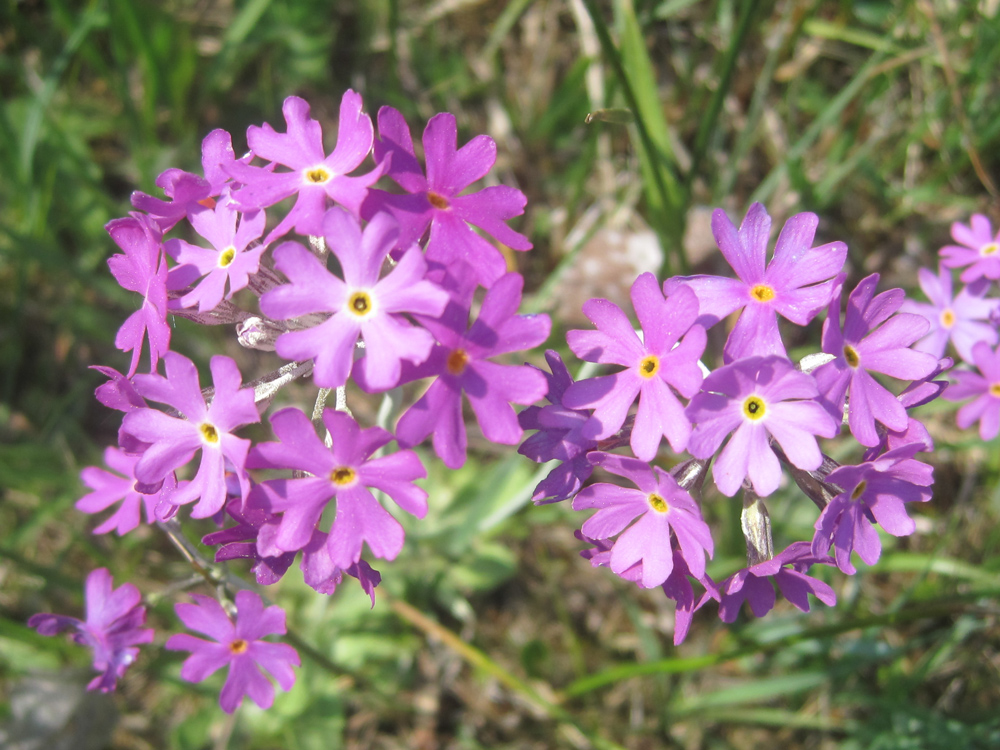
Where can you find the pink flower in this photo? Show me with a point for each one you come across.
(978, 248)
(239, 646)
(985, 409)
(314, 176)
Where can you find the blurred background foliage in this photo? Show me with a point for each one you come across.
(882, 117)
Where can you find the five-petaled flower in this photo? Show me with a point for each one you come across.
(238, 646)
(985, 386)
(113, 627)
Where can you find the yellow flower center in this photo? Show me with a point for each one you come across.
(239, 646)
(754, 408)
(859, 490)
(227, 256)
(649, 366)
(995, 390)
(851, 355)
(989, 249)
(457, 361)
(947, 318)
(658, 504)
(318, 175)
(360, 303)
(762, 293)
(438, 201)
(208, 433)
(343, 476)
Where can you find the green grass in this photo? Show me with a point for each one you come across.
(493, 632)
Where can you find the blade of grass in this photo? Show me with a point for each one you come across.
(665, 196)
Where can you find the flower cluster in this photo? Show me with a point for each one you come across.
(969, 320)
(379, 286)
(756, 418)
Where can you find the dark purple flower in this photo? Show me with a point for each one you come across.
(314, 177)
(559, 438)
(240, 541)
(660, 506)
(239, 646)
(798, 283)
(175, 440)
(346, 472)
(190, 194)
(756, 399)
(113, 627)
(435, 201)
(985, 409)
(875, 491)
(658, 364)
(143, 269)
(459, 363)
(963, 319)
(754, 585)
(229, 262)
(872, 340)
(360, 305)
(978, 248)
(109, 488)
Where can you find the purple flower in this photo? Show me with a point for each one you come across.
(314, 177)
(119, 393)
(660, 505)
(986, 387)
(753, 584)
(875, 491)
(978, 248)
(345, 471)
(661, 360)
(143, 269)
(677, 586)
(963, 319)
(797, 284)
(189, 193)
(175, 440)
(239, 646)
(240, 541)
(756, 399)
(559, 437)
(361, 304)
(459, 362)
(434, 201)
(229, 233)
(113, 627)
(872, 340)
(109, 488)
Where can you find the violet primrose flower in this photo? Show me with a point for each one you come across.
(434, 201)
(143, 269)
(113, 627)
(175, 440)
(963, 319)
(459, 361)
(230, 261)
(874, 490)
(755, 399)
(190, 194)
(978, 248)
(239, 646)
(875, 340)
(754, 585)
(798, 283)
(314, 177)
(109, 488)
(660, 505)
(985, 409)
(345, 472)
(361, 304)
(658, 363)
(559, 437)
